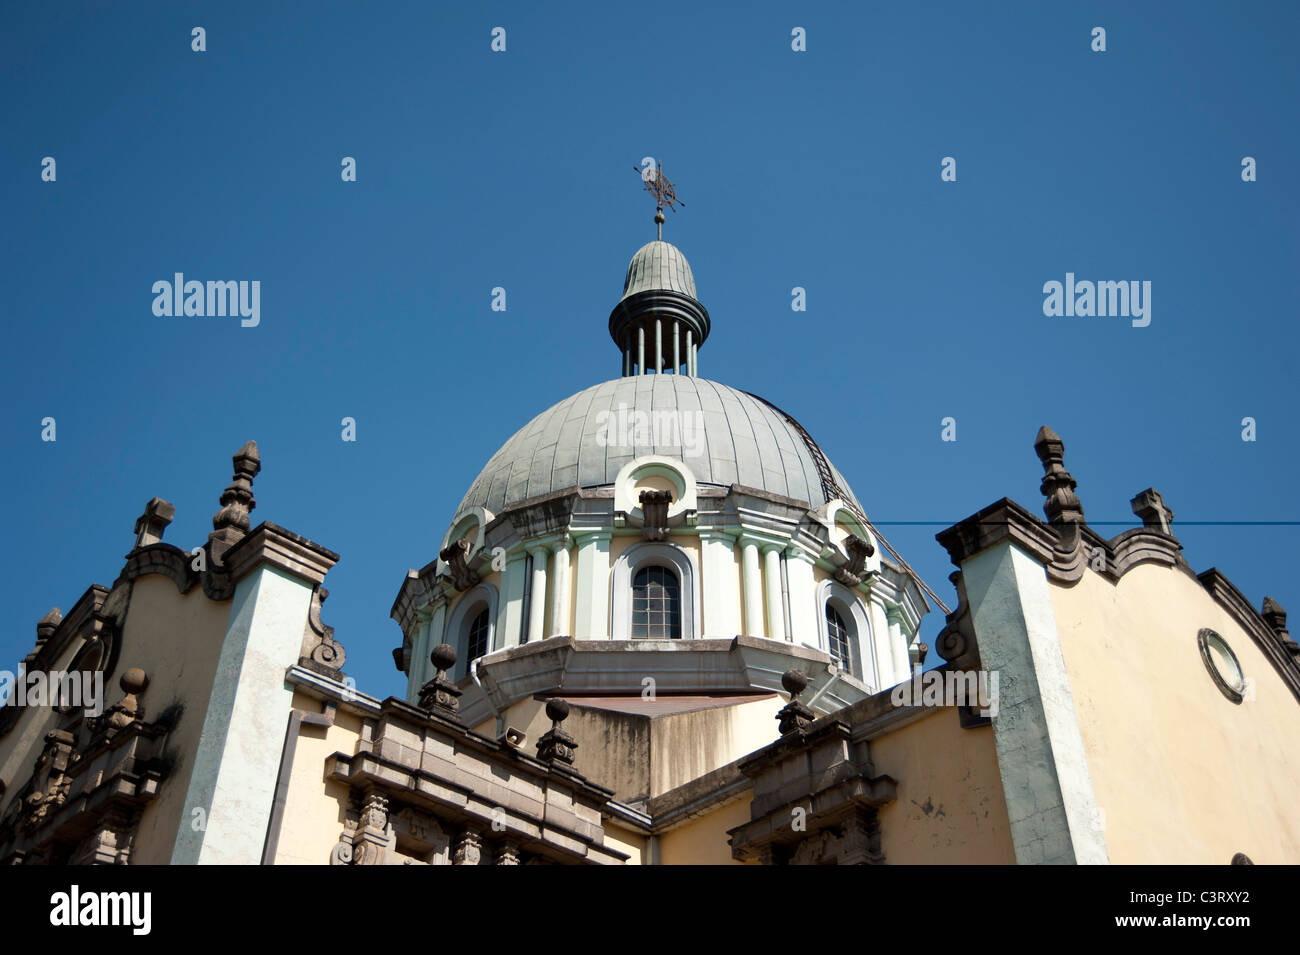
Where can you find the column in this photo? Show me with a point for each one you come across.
(721, 586)
(750, 585)
(510, 612)
(690, 336)
(898, 647)
(537, 594)
(560, 593)
(804, 612)
(677, 348)
(640, 349)
(591, 618)
(772, 577)
(888, 672)
(419, 658)
(659, 346)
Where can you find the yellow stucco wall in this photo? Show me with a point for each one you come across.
(1180, 773)
(625, 840)
(703, 841)
(315, 808)
(950, 808)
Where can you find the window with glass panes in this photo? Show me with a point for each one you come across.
(477, 644)
(656, 604)
(837, 635)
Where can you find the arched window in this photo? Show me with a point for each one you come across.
(838, 639)
(656, 604)
(476, 643)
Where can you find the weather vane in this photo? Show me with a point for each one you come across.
(658, 184)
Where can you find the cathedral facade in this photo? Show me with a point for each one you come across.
(661, 629)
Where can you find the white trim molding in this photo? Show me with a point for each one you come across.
(675, 470)
(850, 607)
(483, 596)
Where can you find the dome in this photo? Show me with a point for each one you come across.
(659, 266)
(745, 441)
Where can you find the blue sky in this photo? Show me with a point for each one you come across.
(477, 169)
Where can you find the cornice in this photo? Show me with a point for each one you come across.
(272, 544)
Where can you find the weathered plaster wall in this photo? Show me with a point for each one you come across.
(685, 746)
(177, 641)
(950, 808)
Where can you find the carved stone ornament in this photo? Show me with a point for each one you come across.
(1062, 505)
(456, 556)
(320, 651)
(230, 524)
(557, 745)
(794, 716)
(440, 695)
(851, 572)
(654, 508)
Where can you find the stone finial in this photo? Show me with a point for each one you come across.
(654, 508)
(150, 525)
(46, 626)
(230, 524)
(121, 715)
(556, 745)
(1275, 617)
(850, 574)
(794, 716)
(456, 556)
(1155, 513)
(1062, 506)
(440, 695)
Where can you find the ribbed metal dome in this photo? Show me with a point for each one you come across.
(745, 441)
(659, 266)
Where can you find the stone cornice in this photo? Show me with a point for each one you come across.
(1001, 520)
(567, 666)
(165, 559)
(428, 760)
(272, 544)
(77, 623)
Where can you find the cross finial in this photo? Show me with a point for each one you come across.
(1155, 513)
(662, 189)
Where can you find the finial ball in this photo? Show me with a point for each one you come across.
(443, 656)
(557, 711)
(133, 681)
(794, 681)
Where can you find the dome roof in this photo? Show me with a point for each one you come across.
(745, 441)
(659, 266)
